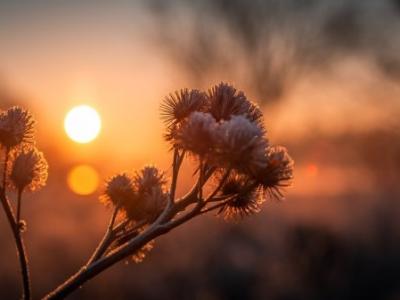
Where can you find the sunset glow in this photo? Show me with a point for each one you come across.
(82, 124)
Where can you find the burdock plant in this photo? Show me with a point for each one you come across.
(221, 132)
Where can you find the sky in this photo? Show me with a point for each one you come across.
(123, 57)
(58, 54)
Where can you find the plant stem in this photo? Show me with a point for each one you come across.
(201, 179)
(19, 201)
(17, 236)
(175, 172)
(89, 272)
(220, 185)
(214, 207)
(7, 156)
(20, 247)
(160, 227)
(106, 241)
(192, 195)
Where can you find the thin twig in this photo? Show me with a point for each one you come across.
(192, 195)
(177, 162)
(129, 235)
(220, 185)
(201, 179)
(200, 202)
(214, 207)
(106, 241)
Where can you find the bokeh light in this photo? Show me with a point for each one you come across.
(82, 124)
(83, 180)
(312, 170)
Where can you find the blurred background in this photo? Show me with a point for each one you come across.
(327, 75)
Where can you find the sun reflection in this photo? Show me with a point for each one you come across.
(82, 124)
(83, 180)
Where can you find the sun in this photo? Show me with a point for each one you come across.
(82, 124)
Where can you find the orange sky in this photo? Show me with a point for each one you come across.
(60, 56)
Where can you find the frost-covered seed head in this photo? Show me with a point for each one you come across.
(148, 178)
(16, 127)
(278, 173)
(150, 196)
(28, 169)
(244, 198)
(178, 106)
(241, 144)
(197, 134)
(119, 190)
(224, 101)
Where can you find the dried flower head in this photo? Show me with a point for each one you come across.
(243, 195)
(119, 190)
(150, 196)
(241, 145)
(28, 169)
(197, 134)
(224, 101)
(16, 127)
(178, 106)
(278, 173)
